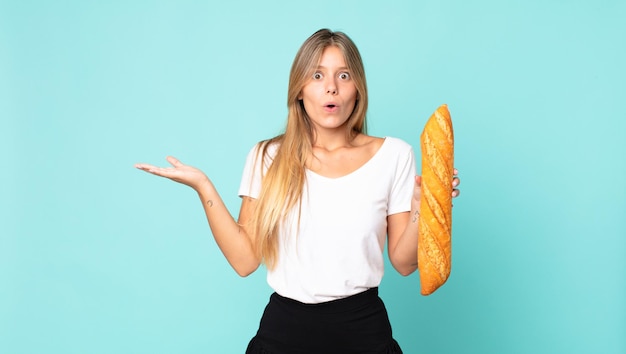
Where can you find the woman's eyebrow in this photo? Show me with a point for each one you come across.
(339, 68)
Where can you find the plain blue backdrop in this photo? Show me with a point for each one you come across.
(97, 257)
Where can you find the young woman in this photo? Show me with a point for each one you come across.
(318, 204)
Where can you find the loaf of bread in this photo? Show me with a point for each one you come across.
(435, 221)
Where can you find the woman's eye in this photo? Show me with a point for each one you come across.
(317, 76)
(344, 76)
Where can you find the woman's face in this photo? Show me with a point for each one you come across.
(330, 94)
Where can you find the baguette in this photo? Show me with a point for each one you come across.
(435, 221)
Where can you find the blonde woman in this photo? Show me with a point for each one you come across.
(318, 204)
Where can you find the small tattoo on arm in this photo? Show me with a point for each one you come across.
(210, 203)
(416, 214)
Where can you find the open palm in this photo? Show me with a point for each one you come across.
(179, 172)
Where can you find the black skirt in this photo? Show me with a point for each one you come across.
(356, 324)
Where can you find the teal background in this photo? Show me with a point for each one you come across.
(97, 257)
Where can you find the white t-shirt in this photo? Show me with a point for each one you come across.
(337, 249)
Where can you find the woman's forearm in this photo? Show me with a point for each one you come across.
(231, 238)
(403, 256)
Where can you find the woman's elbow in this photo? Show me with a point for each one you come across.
(245, 270)
(405, 269)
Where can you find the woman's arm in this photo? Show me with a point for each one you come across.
(402, 235)
(402, 231)
(235, 239)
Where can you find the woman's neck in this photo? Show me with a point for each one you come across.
(331, 141)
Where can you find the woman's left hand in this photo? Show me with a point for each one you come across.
(417, 191)
(455, 183)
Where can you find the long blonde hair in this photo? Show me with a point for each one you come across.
(283, 183)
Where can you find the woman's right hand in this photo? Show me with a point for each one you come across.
(179, 172)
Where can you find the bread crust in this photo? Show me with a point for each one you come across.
(435, 222)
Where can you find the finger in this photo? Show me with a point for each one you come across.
(144, 166)
(455, 182)
(418, 181)
(159, 171)
(456, 172)
(167, 172)
(456, 193)
(174, 161)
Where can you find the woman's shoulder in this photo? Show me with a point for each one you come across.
(379, 140)
(264, 150)
(385, 145)
(397, 144)
(266, 147)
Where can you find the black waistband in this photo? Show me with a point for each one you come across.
(343, 304)
(355, 324)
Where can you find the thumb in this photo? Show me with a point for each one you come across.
(418, 180)
(172, 160)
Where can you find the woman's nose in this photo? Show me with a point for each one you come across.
(331, 88)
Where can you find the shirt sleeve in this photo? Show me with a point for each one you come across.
(404, 181)
(254, 169)
(250, 185)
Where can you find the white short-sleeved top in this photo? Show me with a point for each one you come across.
(337, 248)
